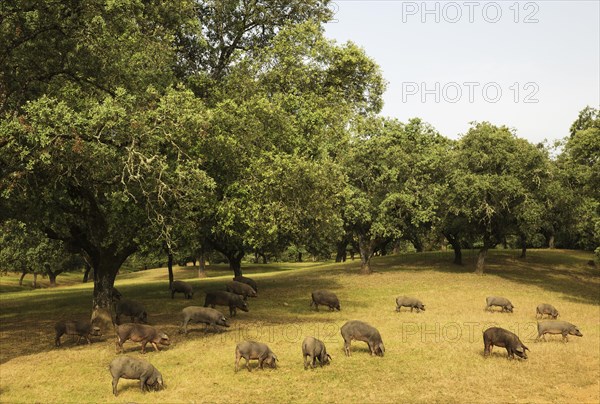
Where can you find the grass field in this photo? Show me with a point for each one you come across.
(432, 356)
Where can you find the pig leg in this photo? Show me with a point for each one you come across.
(565, 338)
(305, 362)
(487, 348)
(87, 337)
(155, 347)
(143, 386)
(248, 364)
(118, 345)
(144, 346)
(115, 381)
(347, 348)
(314, 362)
(237, 359)
(57, 339)
(184, 326)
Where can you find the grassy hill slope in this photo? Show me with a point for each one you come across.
(436, 355)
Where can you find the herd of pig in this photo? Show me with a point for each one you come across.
(313, 350)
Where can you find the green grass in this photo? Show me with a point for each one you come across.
(433, 356)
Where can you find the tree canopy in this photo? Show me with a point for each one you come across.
(237, 126)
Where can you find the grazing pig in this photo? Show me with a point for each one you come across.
(132, 309)
(80, 328)
(499, 301)
(221, 298)
(557, 327)
(546, 309)
(140, 333)
(503, 338)
(254, 350)
(326, 298)
(409, 302)
(361, 331)
(204, 315)
(182, 287)
(135, 369)
(241, 289)
(314, 349)
(247, 281)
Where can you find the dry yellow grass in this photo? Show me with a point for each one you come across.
(433, 356)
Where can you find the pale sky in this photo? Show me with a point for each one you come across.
(544, 51)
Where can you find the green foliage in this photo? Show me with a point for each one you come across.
(494, 180)
(27, 250)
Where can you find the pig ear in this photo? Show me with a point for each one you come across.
(329, 356)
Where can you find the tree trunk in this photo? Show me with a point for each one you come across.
(23, 273)
(202, 265)
(367, 249)
(235, 262)
(170, 268)
(417, 243)
(481, 260)
(256, 257)
(52, 278)
(457, 255)
(264, 258)
(455, 243)
(551, 242)
(523, 247)
(299, 256)
(341, 252)
(34, 284)
(86, 274)
(105, 268)
(51, 275)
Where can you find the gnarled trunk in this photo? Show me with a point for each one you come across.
(551, 244)
(105, 266)
(417, 243)
(455, 243)
(235, 262)
(51, 275)
(481, 260)
(367, 249)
